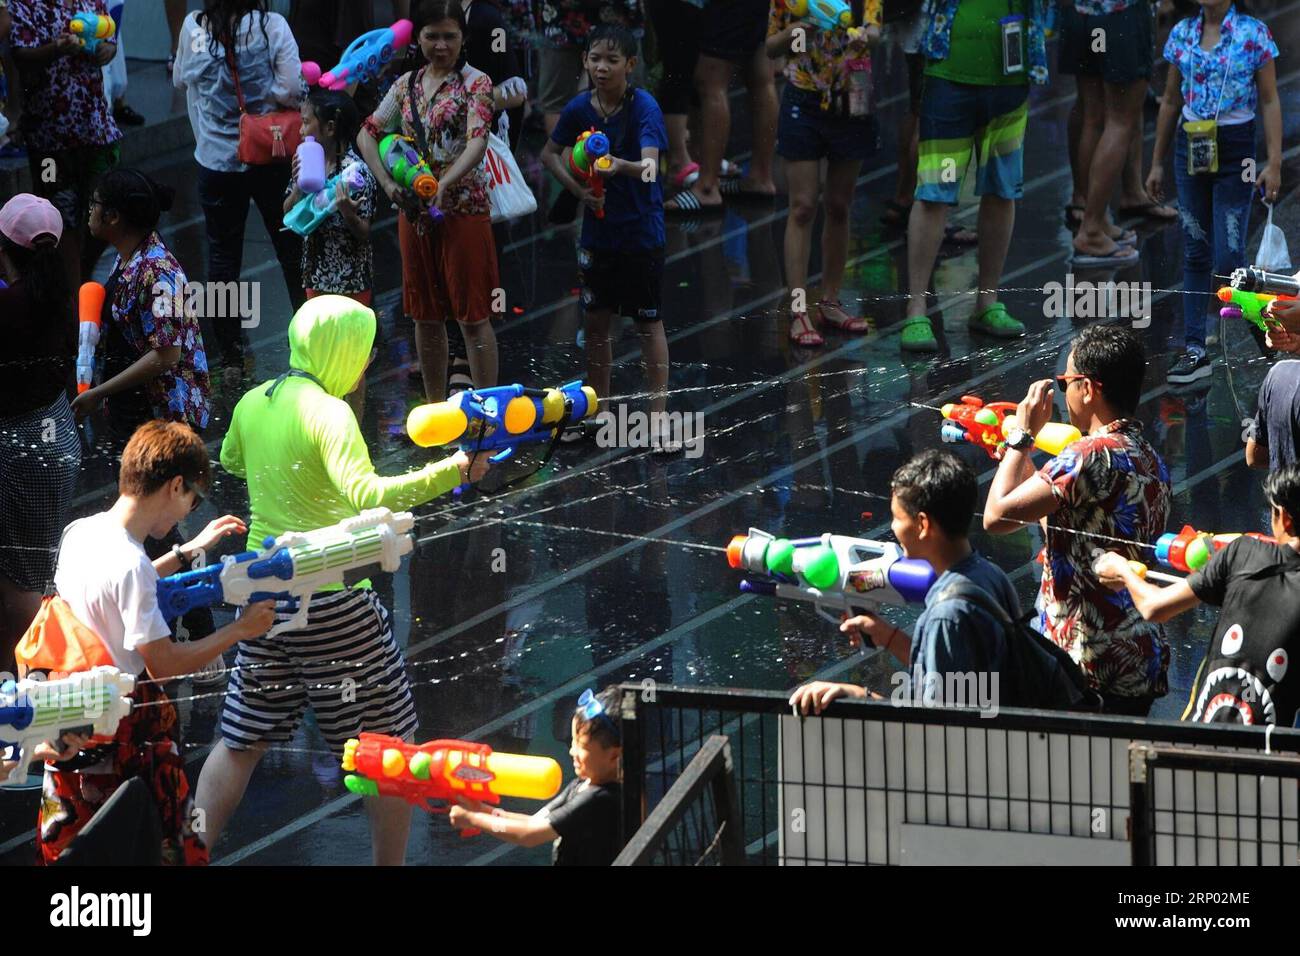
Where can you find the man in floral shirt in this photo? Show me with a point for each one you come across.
(67, 124)
(1109, 490)
(981, 56)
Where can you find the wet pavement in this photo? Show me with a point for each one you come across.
(613, 559)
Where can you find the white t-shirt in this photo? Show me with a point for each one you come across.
(111, 586)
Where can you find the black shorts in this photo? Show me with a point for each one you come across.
(1130, 43)
(733, 29)
(625, 283)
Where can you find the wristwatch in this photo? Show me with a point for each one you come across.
(187, 563)
(1019, 439)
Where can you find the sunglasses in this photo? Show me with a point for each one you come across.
(199, 496)
(1065, 380)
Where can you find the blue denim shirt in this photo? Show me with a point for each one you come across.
(938, 34)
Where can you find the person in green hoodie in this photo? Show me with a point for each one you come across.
(297, 444)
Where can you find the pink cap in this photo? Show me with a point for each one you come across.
(25, 217)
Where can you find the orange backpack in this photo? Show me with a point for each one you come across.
(58, 641)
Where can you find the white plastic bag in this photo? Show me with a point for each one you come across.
(507, 191)
(1273, 255)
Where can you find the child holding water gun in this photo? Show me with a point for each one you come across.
(1221, 73)
(584, 820)
(336, 256)
(621, 258)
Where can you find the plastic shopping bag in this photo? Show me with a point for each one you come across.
(508, 193)
(1273, 255)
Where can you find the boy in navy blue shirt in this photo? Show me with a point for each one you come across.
(621, 258)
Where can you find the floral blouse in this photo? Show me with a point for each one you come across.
(461, 110)
(1245, 44)
(936, 41)
(64, 106)
(151, 310)
(821, 67)
(333, 259)
(1109, 485)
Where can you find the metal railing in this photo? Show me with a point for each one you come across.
(871, 783)
(1211, 808)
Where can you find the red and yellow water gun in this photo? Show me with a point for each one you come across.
(443, 770)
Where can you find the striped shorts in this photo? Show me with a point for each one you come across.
(344, 664)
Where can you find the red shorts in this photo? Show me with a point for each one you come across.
(450, 272)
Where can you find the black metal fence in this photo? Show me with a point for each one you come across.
(871, 783)
(697, 823)
(1210, 808)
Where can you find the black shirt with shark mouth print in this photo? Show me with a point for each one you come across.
(1246, 678)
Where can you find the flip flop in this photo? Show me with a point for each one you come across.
(846, 324)
(686, 176)
(808, 338)
(686, 203)
(1147, 210)
(732, 189)
(1122, 256)
(730, 170)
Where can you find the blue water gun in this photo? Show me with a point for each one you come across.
(364, 59)
(500, 419)
(827, 14)
(311, 210)
(293, 566)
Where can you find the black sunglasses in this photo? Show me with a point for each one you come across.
(199, 496)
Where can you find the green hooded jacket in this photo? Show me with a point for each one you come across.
(300, 449)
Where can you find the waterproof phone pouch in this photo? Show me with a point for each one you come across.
(1013, 49)
(1202, 146)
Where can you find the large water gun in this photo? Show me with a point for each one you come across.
(364, 59)
(90, 309)
(838, 574)
(589, 154)
(92, 29)
(502, 418)
(292, 566)
(1190, 550)
(1251, 279)
(827, 14)
(988, 425)
(311, 210)
(1239, 304)
(442, 770)
(405, 164)
(33, 711)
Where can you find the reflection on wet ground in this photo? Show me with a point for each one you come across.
(608, 564)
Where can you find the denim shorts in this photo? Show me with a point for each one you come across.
(806, 132)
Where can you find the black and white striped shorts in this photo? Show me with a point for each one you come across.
(345, 664)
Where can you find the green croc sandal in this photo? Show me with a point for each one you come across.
(996, 321)
(918, 335)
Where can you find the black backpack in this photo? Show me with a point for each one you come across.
(1036, 674)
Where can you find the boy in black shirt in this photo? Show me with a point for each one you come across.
(1243, 677)
(584, 819)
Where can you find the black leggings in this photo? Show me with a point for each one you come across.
(677, 42)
